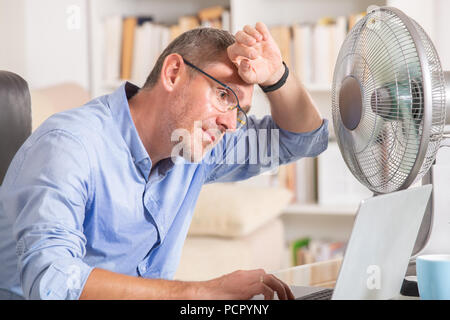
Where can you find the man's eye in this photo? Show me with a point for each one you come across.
(223, 94)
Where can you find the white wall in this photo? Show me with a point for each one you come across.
(423, 11)
(45, 41)
(56, 37)
(433, 16)
(291, 11)
(12, 36)
(442, 41)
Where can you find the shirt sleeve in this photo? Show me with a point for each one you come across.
(49, 195)
(262, 147)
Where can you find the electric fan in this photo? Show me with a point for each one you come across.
(390, 106)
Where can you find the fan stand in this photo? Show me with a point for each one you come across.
(434, 232)
(435, 228)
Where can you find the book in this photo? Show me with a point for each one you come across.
(282, 36)
(211, 13)
(142, 53)
(187, 23)
(354, 18)
(112, 48)
(215, 17)
(339, 32)
(226, 20)
(128, 33)
(336, 183)
(306, 185)
(322, 50)
(174, 31)
(286, 178)
(302, 51)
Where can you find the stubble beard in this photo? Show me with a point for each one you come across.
(185, 132)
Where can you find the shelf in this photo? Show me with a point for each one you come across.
(318, 87)
(319, 209)
(312, 87)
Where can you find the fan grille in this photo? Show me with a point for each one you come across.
(382, 55)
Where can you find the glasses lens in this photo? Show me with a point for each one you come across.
(225, 100)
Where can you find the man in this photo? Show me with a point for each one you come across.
(96, 204)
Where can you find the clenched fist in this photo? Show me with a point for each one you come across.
(256, 55)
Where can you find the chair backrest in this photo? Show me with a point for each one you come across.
(15, 117)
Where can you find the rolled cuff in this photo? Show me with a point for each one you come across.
(304, 144)
(63, 280)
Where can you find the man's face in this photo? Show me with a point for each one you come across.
(197, 118)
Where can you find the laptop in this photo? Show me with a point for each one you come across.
(379, 248)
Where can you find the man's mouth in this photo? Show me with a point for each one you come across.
(211, 135)
(208, 136)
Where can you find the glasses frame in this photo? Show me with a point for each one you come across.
(238, 106)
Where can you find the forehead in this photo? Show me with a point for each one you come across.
(226, 72)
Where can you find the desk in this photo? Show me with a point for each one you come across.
(319, 274)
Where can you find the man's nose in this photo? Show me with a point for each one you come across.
(228, 119)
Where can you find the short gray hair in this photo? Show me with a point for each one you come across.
(199, 46)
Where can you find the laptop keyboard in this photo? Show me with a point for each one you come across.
(324, 294)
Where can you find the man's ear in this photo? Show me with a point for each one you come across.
(172, 71)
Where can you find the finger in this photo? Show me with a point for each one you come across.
(287, 288)
(258, 286)
(253, 32)
(276, 285)
(244, 38)
(267, 291)
(262, 28)
(246, 71)
(237, 50)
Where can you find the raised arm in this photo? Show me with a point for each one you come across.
(258, 59)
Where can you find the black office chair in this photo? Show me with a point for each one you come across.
(15, 117)
(15, 127)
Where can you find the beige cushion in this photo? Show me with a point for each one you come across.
(208, 257)
(233, 209)
(48, 101)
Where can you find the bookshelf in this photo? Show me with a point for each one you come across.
(288, 12)
(164, 12)
(347, 210)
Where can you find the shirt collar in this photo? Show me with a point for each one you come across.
(120, 109)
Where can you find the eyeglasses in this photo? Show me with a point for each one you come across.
(224, 98)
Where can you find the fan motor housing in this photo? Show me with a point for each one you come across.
(350, 102)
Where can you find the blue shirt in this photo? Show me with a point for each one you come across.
(79, 195)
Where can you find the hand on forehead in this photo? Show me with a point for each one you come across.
(247, 41)
(256, 54)
(225, 71)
